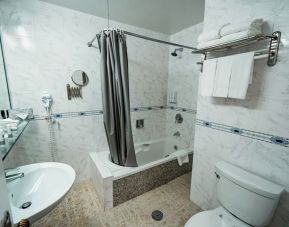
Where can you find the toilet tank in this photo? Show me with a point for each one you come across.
(247, 196)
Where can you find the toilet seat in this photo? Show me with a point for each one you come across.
(206, 219)
(215, 218)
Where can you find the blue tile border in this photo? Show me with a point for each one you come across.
(181, 109)
(100, 112)
(70, 114)
(269, 138)
(265, 137)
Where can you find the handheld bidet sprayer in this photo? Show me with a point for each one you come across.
(47, 102)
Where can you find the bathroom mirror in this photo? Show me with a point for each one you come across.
(5, 103)
(80, 78)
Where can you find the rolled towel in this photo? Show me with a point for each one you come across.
(252, 27)
(211, 35)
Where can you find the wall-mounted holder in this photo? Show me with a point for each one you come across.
(73, 92)
(271, 53)
(173, 97)
(139, 123)
(80, 78)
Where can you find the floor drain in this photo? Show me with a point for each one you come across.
(157, 215)
(26, 205)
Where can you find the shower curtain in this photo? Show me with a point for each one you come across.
(115, 97)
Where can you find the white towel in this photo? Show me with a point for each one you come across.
(208, 77)
(22, 116)
(182, 157)
(222, 78)
(225, 39)
(241, 76)
(209, 35)
(212, 34)
(252, 27)
(229, 38)
(9, 120)
(234, 36)
(210, 43)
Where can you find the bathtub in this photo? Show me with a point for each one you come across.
(157, 164)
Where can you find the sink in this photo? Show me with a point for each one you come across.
(40, 190)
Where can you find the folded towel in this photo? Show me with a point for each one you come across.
(233, 37)
(208, 77)
(210, 43)
(182, 157)
(252, 27)
(222, 78)
(230, 37)
(241, 75)
(9, 120)
(225, 39)
(211, 35)
(22, 116)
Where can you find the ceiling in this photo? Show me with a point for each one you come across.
(165, 16)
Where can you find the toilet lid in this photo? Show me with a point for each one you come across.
(206, 219)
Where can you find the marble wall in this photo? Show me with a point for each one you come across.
(183, 79)
(44, 44)
(264, 112)
(4, 98)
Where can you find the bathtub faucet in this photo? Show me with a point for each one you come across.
(177, 134)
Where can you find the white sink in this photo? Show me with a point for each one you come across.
(43, 185)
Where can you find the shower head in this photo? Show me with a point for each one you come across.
(174, 53)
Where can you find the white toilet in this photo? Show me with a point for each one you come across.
(246, 200)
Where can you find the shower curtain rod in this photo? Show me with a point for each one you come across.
(146, 38)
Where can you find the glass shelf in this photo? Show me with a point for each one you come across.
(9, 142)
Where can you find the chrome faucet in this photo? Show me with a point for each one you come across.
(12, 176)
(177, 134)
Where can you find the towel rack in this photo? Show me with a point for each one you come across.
(272, 51)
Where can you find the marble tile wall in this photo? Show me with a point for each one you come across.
(44, 44)
(264, 110)
(4, 98)
(183, 79)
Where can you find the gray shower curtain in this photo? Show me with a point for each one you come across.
(115, 97)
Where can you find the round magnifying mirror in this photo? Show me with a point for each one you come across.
(80, 78)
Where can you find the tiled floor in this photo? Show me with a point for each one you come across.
(81, 208)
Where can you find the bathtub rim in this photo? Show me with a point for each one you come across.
(123, 171)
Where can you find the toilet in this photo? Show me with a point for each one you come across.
(246, 200)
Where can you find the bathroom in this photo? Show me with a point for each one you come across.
(183, 135)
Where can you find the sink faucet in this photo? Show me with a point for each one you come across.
(12, 176)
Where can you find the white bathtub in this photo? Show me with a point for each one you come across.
(149, 154)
